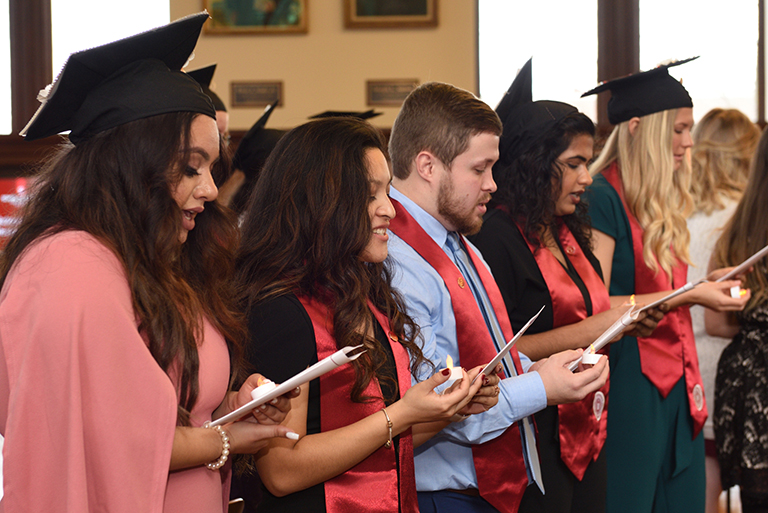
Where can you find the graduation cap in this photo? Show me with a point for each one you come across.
(524, 120)
(644, 93)
(126, 80)
(347, 114)
(203, 76)
(256, 144)
(251, 154)
(519, 92)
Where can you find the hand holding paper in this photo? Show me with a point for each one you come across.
(744, 266)
(338, 358)
(505, 350)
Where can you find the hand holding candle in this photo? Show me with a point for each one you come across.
(612, 332)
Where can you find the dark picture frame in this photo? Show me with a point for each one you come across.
(256, 16)
(390, 13)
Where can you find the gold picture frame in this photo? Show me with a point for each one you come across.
(255, 93)
(390, 13)
(256, 16)
(389, 93)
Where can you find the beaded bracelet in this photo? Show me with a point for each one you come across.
(216, 465)
(389, 427)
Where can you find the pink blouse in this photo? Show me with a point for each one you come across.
(87, 414)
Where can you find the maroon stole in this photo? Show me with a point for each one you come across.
(499, 463)
(582, 425)
(372, 484)
(670, 352)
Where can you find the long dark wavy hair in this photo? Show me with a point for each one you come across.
(529, 183)
(307, 224)
(117, 186)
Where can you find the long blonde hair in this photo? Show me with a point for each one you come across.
(724, 142)
(747, 231)
(656, 194)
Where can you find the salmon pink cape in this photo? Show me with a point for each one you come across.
(87, 414)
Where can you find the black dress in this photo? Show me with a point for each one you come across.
(524, 291)
(741, 408)
(282, 344)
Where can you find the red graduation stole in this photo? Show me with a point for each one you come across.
(670, 352)
(582, 425)
(499, 463)
(371, 485)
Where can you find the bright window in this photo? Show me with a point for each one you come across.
(725, 37)
(80, 24)
(560, 35)
(5, 69)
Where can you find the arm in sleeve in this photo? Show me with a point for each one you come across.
(604, 205)
(429, 305)
(90, 413)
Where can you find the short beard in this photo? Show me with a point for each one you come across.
(466, 224)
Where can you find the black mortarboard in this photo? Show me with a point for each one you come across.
(256, 145)
(204, 77)
(251, 154)
(644, 93)
(113, 84)
(524, 120)
(347, 114)
(519, 92)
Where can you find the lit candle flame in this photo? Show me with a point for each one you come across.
(743, 292)
(592, 348)
(261, 381)
(632, 300)
(449, 362)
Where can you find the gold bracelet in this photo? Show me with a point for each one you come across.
(389, 427)
(216, 465)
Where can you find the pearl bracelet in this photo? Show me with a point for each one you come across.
(389, 427)
(216, 465)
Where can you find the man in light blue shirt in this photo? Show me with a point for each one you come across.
(443, 146)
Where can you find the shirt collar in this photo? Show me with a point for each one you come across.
(432, 226)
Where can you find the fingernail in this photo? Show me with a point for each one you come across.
(292, 435)
(446, 372)
(297, 390)
(263, 407)
(273, 401)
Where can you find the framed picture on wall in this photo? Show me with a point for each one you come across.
(390, 13)
(256, 16)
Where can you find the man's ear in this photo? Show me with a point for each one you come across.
(633, 124)
(427, 166)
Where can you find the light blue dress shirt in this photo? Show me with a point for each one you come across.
(445, 461)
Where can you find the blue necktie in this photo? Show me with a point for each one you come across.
(463, 262)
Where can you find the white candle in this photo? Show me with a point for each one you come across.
(455, 371)
(263, 389)
(590, 358)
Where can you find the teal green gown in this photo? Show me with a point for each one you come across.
(653, 463)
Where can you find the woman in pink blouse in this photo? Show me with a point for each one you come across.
(118, 337)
